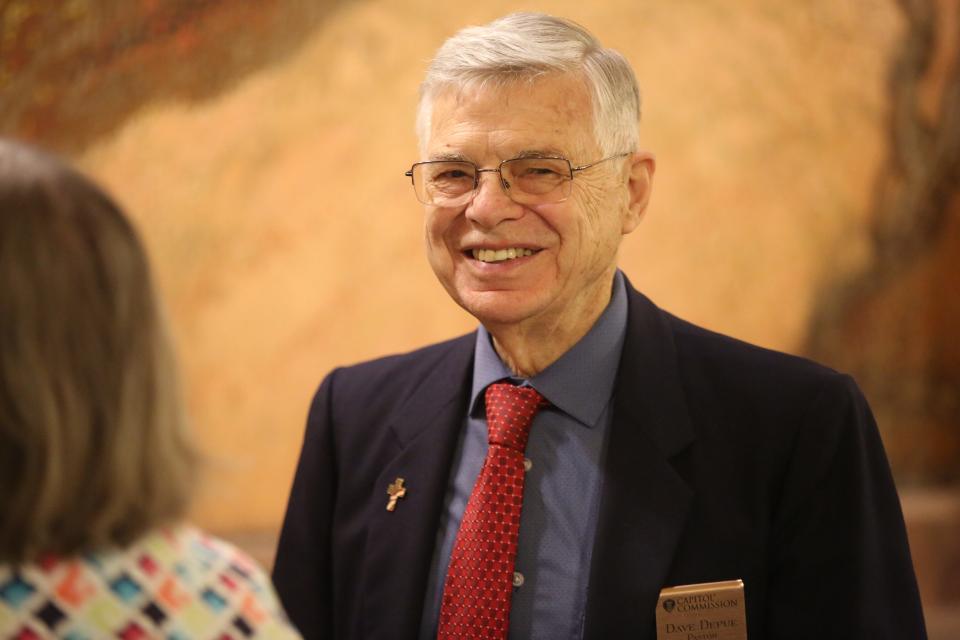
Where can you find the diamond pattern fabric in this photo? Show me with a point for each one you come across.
(176, 584)
(479, 584)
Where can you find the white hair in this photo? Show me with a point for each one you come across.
(525, 46)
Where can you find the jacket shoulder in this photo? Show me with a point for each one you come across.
(399, 375)
(736, 364)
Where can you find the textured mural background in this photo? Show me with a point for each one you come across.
(805, 196)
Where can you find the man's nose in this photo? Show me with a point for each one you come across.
(491, 205)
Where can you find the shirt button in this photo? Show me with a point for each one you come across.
(527, 464)
(517, 579)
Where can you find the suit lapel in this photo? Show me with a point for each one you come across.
(400, 544)
(644, 501)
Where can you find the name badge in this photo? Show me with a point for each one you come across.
(708, 611)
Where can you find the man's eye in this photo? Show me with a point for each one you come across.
(453, 174)
(538, 169)
(539, 172)
(535, 170)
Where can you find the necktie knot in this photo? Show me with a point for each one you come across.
(510, 411)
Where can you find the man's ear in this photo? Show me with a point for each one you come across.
(639, 185)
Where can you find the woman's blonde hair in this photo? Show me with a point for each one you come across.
(94, 449)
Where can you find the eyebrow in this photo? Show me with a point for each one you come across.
(449, 157)
(525, 153)
(540, 153)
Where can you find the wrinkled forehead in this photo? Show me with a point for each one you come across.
(550, 113)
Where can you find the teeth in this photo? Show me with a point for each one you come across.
(499, 255)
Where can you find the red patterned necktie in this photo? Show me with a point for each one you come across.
(476, 594)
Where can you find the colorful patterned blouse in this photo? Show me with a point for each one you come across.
(175, 584)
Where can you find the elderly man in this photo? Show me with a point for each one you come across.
(548, 475)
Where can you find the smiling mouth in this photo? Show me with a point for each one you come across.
(500, 255)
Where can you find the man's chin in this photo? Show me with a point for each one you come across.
(499, 309)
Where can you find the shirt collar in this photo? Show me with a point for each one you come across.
(581, 381)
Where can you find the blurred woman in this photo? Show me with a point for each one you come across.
(96, 466)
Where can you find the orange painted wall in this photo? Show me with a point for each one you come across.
(287, 240)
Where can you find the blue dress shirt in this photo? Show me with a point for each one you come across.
(561, 495)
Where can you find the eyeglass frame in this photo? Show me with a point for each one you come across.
(504, 185)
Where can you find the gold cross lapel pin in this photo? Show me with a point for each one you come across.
(395, 490)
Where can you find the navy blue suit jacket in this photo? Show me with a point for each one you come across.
(724, 461)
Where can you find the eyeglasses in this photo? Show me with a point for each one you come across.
(451, 183)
